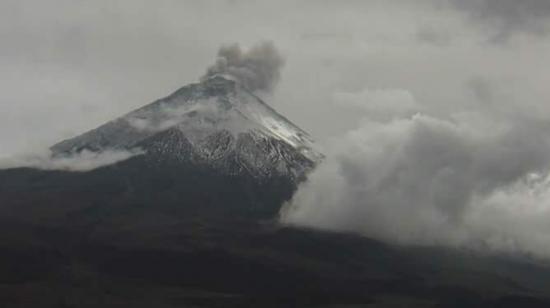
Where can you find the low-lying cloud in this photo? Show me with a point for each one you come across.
(257, 69)
(76, 162)
(474, 179)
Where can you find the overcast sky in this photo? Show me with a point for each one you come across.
(434, 114)
(68, 66)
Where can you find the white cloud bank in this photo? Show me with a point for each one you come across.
(475, 179)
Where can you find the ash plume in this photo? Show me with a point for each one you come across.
(257, 69)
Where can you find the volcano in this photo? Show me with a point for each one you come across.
(216, 123)
(190, 220)
(210, 147)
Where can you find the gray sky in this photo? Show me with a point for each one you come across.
(68, 66)
(434, 114)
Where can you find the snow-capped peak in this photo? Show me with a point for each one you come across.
(198, 112)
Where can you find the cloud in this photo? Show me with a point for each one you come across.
(508, 16)
(257, 69)
(471, 180)
(77, 162)
(376, 102)
(432, 35)
(482, 89)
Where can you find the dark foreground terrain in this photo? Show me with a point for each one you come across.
(128, 236)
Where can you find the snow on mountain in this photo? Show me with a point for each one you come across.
(216, 122)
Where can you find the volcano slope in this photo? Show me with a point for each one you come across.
(191, 221)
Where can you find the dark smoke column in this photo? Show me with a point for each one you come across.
(257, 69)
